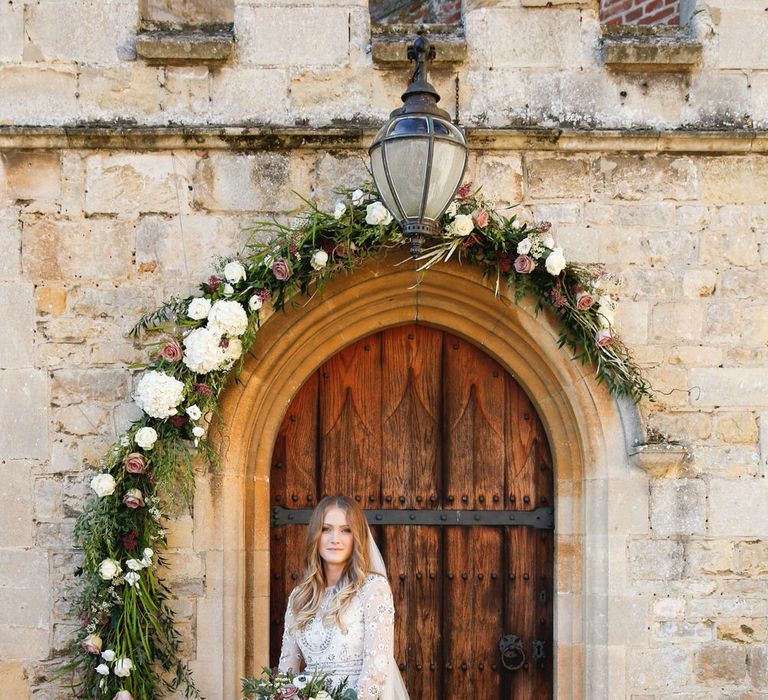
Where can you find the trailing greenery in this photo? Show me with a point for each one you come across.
(128, 645)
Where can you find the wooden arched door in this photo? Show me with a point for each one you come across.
(446, 454)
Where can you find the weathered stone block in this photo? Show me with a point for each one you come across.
(258, 182)
(734, 179)
(693, 215)
(678, 506)
(134, 93)
(23, 428)
(556, 177)
(334, 171)
(696, 356)
(24, 598)
(187, 92)
(16, 524)
(658, 668)
(668, 608)
(679, 632)
(742, 631)
(44, 95)
(32, 175)
(691, 425)
(645, 177)
(319, 35)
(677, 322)
(720, 663)
(14, 680)
(11, 32)
(73, 386)
(752, 558)
(736, 427)
(23, 643)
(557, 213)
(758, 666)
(51, 299)
(656, 559)
(737, 247)
(89, 249)
(747, 497)
(502, 179)
(135, 183)
(10, 244)
(741, 284)
(17, 318)
(730, 386)
(740, 33)
(699, 283)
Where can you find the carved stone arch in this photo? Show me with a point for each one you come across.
(588, 430)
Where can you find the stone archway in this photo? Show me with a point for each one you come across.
(589, 433)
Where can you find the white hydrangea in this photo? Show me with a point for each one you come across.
(234, 272)
(158, 394)
(202, 350)
(198, 308)
(228, 318)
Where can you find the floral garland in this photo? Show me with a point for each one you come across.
(128, 646)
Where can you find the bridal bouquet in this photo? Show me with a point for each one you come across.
(275, 685)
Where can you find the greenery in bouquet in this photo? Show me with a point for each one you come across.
(276, 685)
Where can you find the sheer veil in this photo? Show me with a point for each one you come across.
(394, 688)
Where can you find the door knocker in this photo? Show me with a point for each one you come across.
(512, 654)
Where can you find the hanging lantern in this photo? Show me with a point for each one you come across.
(418, 158)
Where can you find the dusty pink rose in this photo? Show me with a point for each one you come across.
(584, 300)
(171, 351)
(134, 463)
(92, 644)
(603, 337)
(281, 270)
(524, 264)
(288, 691)
(480, 217)
(464, 190)
(122, 695)
(133, 499)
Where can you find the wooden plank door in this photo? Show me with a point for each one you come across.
(414, 418)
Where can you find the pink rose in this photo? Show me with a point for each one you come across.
(134, 463)
(603, 337)
(171, 351)
(133, 499)
(122, 695)
(584, 300)
(281, 270)
(288, 691)
(524, 264)
(480, 217)
(92, 644)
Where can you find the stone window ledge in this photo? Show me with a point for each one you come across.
(659, 459)
(185, 47)
(389, 44)
(650, 49)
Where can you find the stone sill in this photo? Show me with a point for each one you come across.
(655, 49)
(389, 44)
(185, 47)
(659, 459)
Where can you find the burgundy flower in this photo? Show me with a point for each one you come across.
(480, 217)
(328, 246)
(202, 389)
(178, 421)
(505, 262)
(524, 264)
(131, 540)
(134, 463)
(557, 297)
(171, 351)
(213, 284)
(464, 190)
(264, 294)
(280, 270)
(293, 249)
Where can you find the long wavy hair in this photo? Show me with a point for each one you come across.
(309, 593)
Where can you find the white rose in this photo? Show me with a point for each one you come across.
(228, 317)
(202, 350)
(197, 431)
(108, 655)
(233, 350)
(339, 210)
(123, 667)
(555, 262)
(255, 302)
(132, 578)
(148, 553)
(462, 225)
(319, 260)
(158, 394)
(234, 272)
(109, 568)
(605, 311)
(134, 564)
(103, 669)
(549, 242)
(103, 485)
(228, 290)
(524, 246)
(146, 438)
(376, 213)
(199, 308)
(357, 197)
(194, 412)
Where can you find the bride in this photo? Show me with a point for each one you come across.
(340, 618)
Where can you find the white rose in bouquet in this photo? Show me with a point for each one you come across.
(146, 437)
(234, 272)
(103, 485)
(462, 225)
(555, 263)
(109, 568)
(524, 246)
(319, 260)
(228, 317)
(339, 210)
(202, 350)
(357, 197)
(198, 308)
(158, 394)
(376, 213)
(123, 667)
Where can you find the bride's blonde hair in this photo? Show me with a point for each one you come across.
(309, 593)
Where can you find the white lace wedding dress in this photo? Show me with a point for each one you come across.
(362, 655)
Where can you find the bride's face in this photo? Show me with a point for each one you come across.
(335, 537)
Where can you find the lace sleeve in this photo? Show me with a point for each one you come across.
(290, 654)
(379, 621)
